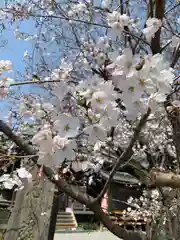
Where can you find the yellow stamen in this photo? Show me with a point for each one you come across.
(131, 89)
(66, 127)
(142, 82)
(99, 100)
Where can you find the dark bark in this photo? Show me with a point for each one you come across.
(54, 213)
(176, 57)
(159, 13)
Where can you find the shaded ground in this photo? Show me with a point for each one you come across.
(86, 236)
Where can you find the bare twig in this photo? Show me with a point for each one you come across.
(172, 8)
(127, 154)
(176, 57)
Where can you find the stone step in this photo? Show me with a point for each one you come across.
(65, 227)
(65, 213)
(66, 223)
(62, 220)
(64, 216)
(66, 220)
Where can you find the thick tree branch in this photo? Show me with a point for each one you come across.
(151, 8)
(114, 228)
(160, 179)
(174, 119)
(95, 207)
(159, 13)
(16, 139)
(30, 151)
(126, 155)
(71, 190)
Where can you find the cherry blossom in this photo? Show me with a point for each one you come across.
(45, 135)
(109, 116)
(5, 65)
(61, 90)
(3, 91)
(156, 99)
(153, 25)
(63, 149)
(95, 133)
(23, 173)
(10, 181)
(117, 21)
(102, 78)
(67, 125)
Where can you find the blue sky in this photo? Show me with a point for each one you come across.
(14, 51)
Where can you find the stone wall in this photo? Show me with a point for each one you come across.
(31, 212)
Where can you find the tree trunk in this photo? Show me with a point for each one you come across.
(54, 213)
(30, 216)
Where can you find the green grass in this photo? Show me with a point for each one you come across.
(1, 235)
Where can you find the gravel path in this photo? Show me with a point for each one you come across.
(86, 236)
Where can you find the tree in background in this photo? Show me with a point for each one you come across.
(108, 77)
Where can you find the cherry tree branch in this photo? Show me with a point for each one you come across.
(34, 82)
(159, 13)
(163, 179)
(174, 7)
(71, 190)
(174, 119)
(176, 57)
(127, 154)
(70, 20)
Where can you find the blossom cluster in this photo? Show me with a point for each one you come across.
(104, 85)
(142, 82)
(5, 66)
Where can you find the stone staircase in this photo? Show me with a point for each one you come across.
(66, 220)
(4, 213)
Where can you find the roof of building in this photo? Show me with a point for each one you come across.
(121, 177)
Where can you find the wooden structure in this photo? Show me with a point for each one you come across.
(121, 189)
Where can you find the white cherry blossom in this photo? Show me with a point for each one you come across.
(130, 94)
(153, 25)
(61, 90)
(5, 65)
(42, 136)
(3, 91)
(110, 116)
(117, 21)
(99, 100)
(67, 125)
(63, 149)
(135, 109)
(23, 173)
(95, 133)
(10, 180)
(155, 100)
